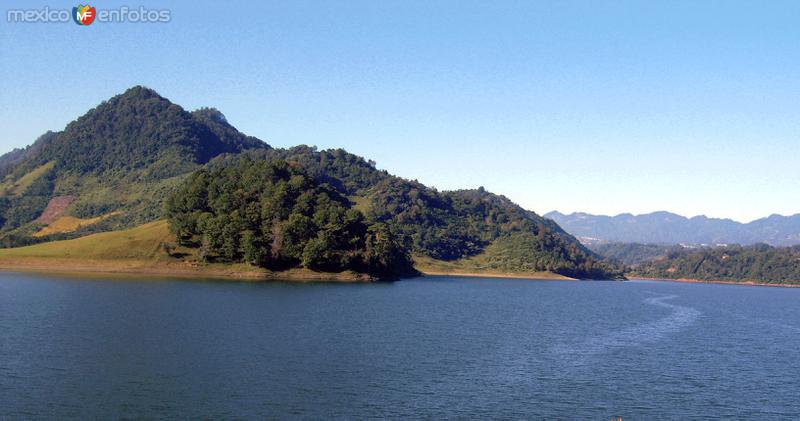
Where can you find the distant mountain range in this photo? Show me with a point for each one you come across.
(669, 228)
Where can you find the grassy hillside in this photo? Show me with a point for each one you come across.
(140, 243)
(140, 251)
(68, 224)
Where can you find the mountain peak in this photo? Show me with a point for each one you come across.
(141, 131)
(106, 159)
(140, 91)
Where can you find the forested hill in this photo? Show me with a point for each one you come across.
(142, 133)
(116, 166)
(117, 162)
(450, 225)
(274, 215)
(757, 263)
(669, 228)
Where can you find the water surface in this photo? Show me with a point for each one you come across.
(433, 347)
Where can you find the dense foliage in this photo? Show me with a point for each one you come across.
(442, 225)
(760, 262)
(141, 130)
(631, 253)
(271, 214)
(348, 173)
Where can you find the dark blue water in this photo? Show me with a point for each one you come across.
(432, 348)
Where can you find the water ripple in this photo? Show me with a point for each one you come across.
(679, 318)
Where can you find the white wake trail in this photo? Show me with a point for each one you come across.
(679, 318)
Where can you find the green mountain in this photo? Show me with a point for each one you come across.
(117, 166)
(118, 161)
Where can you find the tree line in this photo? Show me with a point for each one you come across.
(760, 262)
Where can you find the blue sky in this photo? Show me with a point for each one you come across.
(604, 107)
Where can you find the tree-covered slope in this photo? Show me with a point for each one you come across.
(758, 263)
(273, 215)
(122, 157)
(447, 226)
(140, 134)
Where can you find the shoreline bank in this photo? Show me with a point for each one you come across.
(148, 269)
(721, 282)
(135, 268)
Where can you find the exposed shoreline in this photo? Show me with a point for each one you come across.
(136, 268)
(149, 269)
(703, 281)
(145, 269)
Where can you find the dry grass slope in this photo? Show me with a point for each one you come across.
(140, 252)
(140, 243)
(67, 224)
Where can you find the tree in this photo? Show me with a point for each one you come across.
(253, 251)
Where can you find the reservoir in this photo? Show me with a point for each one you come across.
(434, 347)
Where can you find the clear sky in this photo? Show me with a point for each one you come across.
(604, 107)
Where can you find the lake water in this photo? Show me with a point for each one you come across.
(434, 348)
